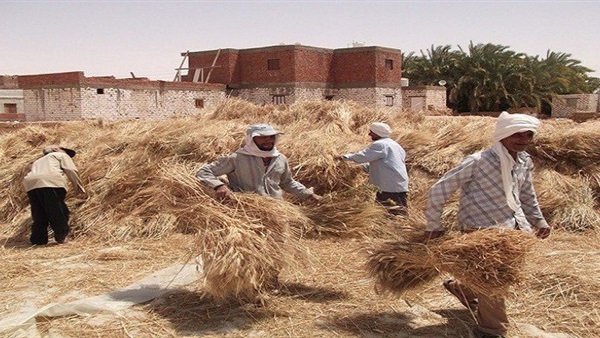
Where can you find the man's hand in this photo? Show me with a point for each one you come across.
(542, 233)
(315, 198)
(434, 234)
(223, 192)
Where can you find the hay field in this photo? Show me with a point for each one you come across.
(145, 211)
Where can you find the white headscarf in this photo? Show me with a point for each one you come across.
(250, 148)
(381, 129)
(507, 125)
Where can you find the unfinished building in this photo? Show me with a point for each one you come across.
(289, 73)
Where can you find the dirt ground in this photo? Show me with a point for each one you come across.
(326, 295)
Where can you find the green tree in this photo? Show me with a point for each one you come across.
(490, 77)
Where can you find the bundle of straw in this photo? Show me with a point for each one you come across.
(398, 267)
(244, 247)
(353, 213)
(486, 261)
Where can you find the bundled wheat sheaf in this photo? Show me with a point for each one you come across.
(487, 261)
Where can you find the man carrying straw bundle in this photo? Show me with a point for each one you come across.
(257, 167)
(496, 191)
(46, 187)
(384, 160)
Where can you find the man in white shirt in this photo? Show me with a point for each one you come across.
(384, 160)
(46, 186)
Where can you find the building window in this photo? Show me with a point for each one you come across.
(273, 64)
(389, 100)
(389, 64)
(278, 99)
(572, 102)
(199, 103)
(329, 97)
(10, 108)
(100, 91)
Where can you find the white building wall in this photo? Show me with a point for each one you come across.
(118, 103)
(52, 104)
(370, 97)
(65, 104)
(12, 96)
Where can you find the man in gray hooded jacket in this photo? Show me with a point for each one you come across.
(256, 167)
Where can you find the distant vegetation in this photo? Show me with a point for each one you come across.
(489, 77)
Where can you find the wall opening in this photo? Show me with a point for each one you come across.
(389, 100)
(389, 64)
(10, 108)
(278, 99)
(273, 64)
(100, 91)
(199, 103)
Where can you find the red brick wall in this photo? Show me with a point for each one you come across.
(8, 82)
(353, 67)
(348, 67)
(314, 66)
(253, 66)
(226, 70)
(366, 66)
(33, 81)
(384, 75)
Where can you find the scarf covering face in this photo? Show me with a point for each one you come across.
(250, 148)
(381, 129)
(507, 125)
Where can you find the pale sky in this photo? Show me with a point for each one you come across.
(104, 38)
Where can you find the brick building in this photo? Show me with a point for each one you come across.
(72, 96)
(11, 99)
(576, 106)
(417, 98)
(290, 73)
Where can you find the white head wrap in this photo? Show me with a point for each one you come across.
(250, 148)
(507, 125)
(381, 129)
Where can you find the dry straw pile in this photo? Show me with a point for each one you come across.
(141, 185)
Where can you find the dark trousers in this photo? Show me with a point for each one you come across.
(394, 202)
(48, 207)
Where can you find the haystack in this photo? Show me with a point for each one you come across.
(567, 202)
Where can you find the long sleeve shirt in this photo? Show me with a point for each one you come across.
(52, 171)
(385, 158)
(482, 200)
(247, 173)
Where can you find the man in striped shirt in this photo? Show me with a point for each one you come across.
(496, 190)
(256, 167)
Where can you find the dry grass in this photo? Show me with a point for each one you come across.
(145, 205)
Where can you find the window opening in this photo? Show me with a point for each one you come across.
(273, 64)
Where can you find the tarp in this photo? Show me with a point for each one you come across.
(23, 324)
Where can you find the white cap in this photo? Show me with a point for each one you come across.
(381, 129)
(262, 129)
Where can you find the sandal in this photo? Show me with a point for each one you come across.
(471, 305)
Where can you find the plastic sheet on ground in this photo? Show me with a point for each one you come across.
(23, 324)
